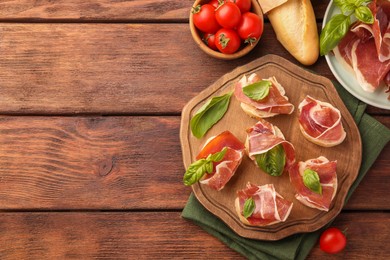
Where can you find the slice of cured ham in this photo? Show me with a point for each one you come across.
(365, 50)
(320, 122)
(269, 206)
(223, 170)
(264, 136)
(275, 103)
(326, 171)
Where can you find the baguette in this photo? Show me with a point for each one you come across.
(295, 26)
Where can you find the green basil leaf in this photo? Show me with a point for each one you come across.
(249, 208)
(218, 156)
(196, 171)
(209, 167)
(273, 161)
(202, 166)
(258, 90)
(312, 181)
(333, 32)
(364, 14)
(346, 6)
(209, 114)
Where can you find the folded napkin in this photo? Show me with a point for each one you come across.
(374, 138)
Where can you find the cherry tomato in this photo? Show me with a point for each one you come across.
(227, 40)
(250, 27)
(209, 40)
(204, 18)
(228, 15)
(214, 3)
(243, 5)
(332, 241)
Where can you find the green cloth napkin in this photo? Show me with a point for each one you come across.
(374, 138)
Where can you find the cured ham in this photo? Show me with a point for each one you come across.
(365, 50)
(268, 206)
(223, 170)
(262, 138)
(326, 171)
(320, 122)
(276, 102)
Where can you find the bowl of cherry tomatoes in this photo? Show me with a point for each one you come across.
(226, 29)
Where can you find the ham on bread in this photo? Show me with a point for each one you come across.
(326, 171)
(262, 137)
(365, 50)
(320, 122)
(269, 206)
(223, 170)
(275, 103)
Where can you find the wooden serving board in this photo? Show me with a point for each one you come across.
(298, 83)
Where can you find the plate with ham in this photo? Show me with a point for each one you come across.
(256, 199)
(361, 61)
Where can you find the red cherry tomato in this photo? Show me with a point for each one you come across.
(243, 5)
(214, 3)
(227, 40)
(204, 18)
(250, 27)
(228, 15)
(209, 40)
(332, 241)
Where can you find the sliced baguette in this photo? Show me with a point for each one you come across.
(295, 26)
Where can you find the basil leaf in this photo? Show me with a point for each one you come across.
(249, 208)
(273, 161)
(364, 14)
(333, 32)
(217, 156)
(258, 90)
(202, 166)
(312, 181)
(209, 114)
(346, 6)
(195, 172)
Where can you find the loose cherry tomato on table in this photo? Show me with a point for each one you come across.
(250, 27)
(204, 18)
(228, 15)
(209, 40)
(332, 241)
(243, 5)
(227, 40)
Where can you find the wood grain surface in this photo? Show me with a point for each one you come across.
(152, 235)
(39, 169)
(111, 68)
(90, 99)
(105, 10)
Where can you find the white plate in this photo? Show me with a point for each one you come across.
(347, 78)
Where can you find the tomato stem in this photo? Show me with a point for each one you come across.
(223, 40)
(196, 9)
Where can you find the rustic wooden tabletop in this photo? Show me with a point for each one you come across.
(91, 164)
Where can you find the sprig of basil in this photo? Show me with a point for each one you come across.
(312, 181)
(258, 90)
(273, 161)
(209, 114)
(200, 167)
(249, 208)
(338, 26)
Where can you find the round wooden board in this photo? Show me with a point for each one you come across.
(298, 83)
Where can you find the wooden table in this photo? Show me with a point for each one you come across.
(91, 164)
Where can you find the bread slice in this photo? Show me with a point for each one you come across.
(295, 26)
